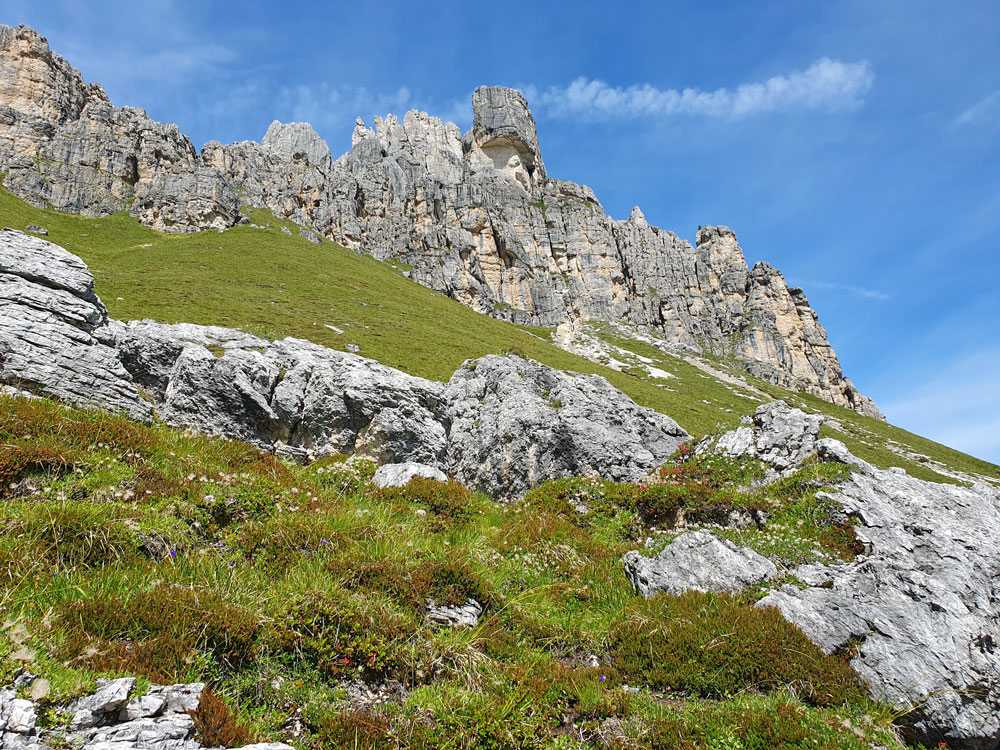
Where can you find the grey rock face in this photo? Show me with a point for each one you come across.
(103, 705)
(296, 141)
(291, 395)
(503, 132)
(454, 615)
(924, 603)
(699, 561)
(311, 237)
(112, 719)
(515, 423)
(51, 326)
(63, 144)
(776, 433)
(399, 475)
(476, 217)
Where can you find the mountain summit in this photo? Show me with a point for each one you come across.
(476, 216)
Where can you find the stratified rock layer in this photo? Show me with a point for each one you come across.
(501, 425)
(52, 327)
(476, 217)
(920, 610)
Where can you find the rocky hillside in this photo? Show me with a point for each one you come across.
(475, 216)
(343, 605)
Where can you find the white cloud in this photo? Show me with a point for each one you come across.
(986, 110)
(826, 85)
(958, 405)
(859, 291)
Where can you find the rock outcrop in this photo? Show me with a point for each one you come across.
(515, 421)
(52, 326)
(775, 433)
(112, 718)
(919, 612)
(399, 475)
(502, 424)
(698, 561)
(62, 144)
(476, 217)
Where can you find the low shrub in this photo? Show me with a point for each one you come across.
(215, 725)
(72, 535)
(447, 582)
(717, 645)
(752, 723)
(191, 618)
(345, 636)
(360, 730)
(449, 503)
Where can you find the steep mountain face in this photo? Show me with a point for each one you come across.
(63, 144)
(475, 216)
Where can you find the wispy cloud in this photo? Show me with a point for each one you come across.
(958, 405)
(985, 110)
(858, 291)
(826, 85)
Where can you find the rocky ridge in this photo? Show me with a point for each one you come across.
(475, 216)
(502, 424)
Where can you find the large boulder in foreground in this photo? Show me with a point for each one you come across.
(515, 423)
(699, 561)
(51, 326)
(501, 425)
(920, 611)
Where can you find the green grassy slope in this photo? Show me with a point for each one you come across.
(130, 549)
(275, 285)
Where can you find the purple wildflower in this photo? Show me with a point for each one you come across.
(603, 677)
(173, 553)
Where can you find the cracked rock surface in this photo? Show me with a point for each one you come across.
(920, 611)
(699, 561)
(111, 718)
(503, 424)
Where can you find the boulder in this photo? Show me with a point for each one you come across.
(291, 396)
(104, 705)
(516, 423)
(454, 615)
(52, 328)
(399, 475)
(698, 561)
(776, 434)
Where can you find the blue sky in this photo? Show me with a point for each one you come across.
(854, 145)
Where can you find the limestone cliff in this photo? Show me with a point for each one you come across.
(475, 216)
